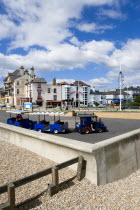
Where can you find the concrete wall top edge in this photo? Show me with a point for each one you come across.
(70, 143)
(114, 139)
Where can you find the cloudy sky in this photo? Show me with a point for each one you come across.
(72, 40)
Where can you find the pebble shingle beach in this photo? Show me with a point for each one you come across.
(16, 162)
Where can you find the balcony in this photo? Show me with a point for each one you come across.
(39, 98)
(11, 94)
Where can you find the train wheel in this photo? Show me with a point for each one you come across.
(99, 130)
(86, 131)
(39, 130)
(55, 131)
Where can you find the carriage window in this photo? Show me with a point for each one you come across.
(83, 120)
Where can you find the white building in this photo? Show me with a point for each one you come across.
(97, 97)
(20, 87)
(114, 96)
(36, 90)
(76, 94)
(53, 95)
(132, 92)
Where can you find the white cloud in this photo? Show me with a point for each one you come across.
(110, 13)
(93, 27)
(129, 55)
(69, 81)
(75, 41)
(43, 23)
(66, 56)
(47, 24)
(100, 82)
(132, 79)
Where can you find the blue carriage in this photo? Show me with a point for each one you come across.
(45, 126)
(20, 122)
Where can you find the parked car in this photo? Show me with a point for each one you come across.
(2, 105)
(125, 107)
(133, 107)
(10, 106)
(101, 106)
(35, 105)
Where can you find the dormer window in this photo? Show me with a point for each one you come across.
(39, 85)
(17, 82)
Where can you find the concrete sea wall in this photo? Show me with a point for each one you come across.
(107, 161)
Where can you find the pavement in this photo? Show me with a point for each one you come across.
(115, 127)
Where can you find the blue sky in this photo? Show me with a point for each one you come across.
(72, 40)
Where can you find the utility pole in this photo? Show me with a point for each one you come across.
(78, 96)
(120, 86)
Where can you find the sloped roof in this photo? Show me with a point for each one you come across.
(63, 83)
(96, 92)
(14, 75)
(80, 83)
(16, 72)
(115, 93)
(39, 80)
(132, 88)
(1, 89)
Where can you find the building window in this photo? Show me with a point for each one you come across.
(17, 82)
(17, 91)
(55, 97)
(85, 89)
(39, 85)
(49, 90)
(54, 90)
(39, 94)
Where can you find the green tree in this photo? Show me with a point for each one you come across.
(137, 99)
(96, 103)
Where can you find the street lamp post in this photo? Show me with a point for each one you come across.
(120, 86)
(78, 95)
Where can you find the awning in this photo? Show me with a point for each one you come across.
(18, 111)
(47, 113)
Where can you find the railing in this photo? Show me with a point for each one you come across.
(40, 98)
(52, 188)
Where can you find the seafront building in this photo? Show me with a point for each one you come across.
(22, 85)
(76, 94)
(36, 91)
(14, 86)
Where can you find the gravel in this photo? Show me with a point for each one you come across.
(16, 162)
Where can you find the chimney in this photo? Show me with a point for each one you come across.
(22, 70)
(32, 72)
(54, 81)
(26, 71)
